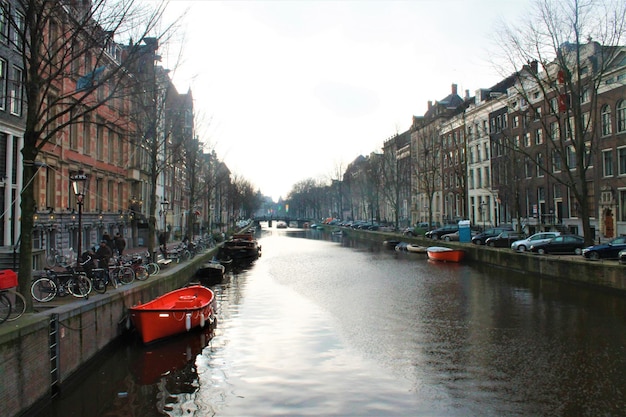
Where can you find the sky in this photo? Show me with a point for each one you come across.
(286, 91)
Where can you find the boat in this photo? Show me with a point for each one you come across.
(211, 273)
(415, 248)
(391, 243)
(439, 253)
(173, 313)
(240, 247)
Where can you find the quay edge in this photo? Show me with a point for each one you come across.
(76, 332)
(602, 275)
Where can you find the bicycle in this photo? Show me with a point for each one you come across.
(18, 303)
(53, 284)
(55, 258)
(12, 303)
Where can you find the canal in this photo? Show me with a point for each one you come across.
(323, 325)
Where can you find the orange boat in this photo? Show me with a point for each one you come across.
(439, 253)
(175, 312)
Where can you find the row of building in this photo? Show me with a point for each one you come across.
(520, 152)
(110, 114)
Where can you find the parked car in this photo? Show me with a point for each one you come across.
(560, 244)
(451, 237)
(480, 238)
(437, 233)
(409, 231)
(504, 239)
(608, 250)
(622, 256)
(524, 244)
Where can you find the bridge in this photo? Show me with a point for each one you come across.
(301, 222)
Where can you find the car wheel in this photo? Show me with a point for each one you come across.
(478, 242)
(435, 237)
(521, 248)
(446, 238)
(541, 251)
(594, 256)
(493, 245)
(578, 251)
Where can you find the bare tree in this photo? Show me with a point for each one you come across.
(63, 44)
(566, 51)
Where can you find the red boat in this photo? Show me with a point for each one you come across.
(438, 253)
(175, 312)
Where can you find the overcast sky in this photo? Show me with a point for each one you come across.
(290, 90)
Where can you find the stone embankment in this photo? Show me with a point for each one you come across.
(41, 351)
(606, 275)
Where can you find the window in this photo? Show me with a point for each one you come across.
(4, 22)
(526, 140)
(607, 163)
(100, 140)
(110, 147)
(539, 165)
(621, 116)
(556, 161)
(18, 32)
(621, 160)
(515, 121)
(537, 113)
(538, 137)
(571, 158)
(554, 131)
(3, 82)
(16, 91)
(73, 131)
(86, 135)
(471, 179)
(487, 176)
(528, 167)
(584, 96)
(605, 115)
(622, 206)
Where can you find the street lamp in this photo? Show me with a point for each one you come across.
(164, 206)
(79, 185)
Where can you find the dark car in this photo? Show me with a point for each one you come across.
(504, 239)
(437, 233)
(560, 244)
(480, 238)
(607, 250)
(622, 256)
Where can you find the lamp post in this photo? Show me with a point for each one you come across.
(164, 206)
(79, 183)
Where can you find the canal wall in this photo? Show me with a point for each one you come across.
(606, 275)
(41, 351)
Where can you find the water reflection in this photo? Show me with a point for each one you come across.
(327, 325)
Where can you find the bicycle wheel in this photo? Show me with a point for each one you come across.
(99, 283)
(51, 260)
(43, 290)
(18, 305)
(186, 255)
(80, 286)
(5, 307)
(153, 268)
(126, 275)
(141, 273)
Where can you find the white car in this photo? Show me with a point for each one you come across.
(525, 244)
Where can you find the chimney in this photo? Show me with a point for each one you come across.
(430, 104)
(453, 88)
(467, 96)
(534, 66)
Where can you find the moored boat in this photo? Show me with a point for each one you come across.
(439, 253)
(240, 247)
(391, 243)
(412, 247)
(211, 273)
(176, 312)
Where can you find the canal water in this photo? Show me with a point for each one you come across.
(324, 325)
